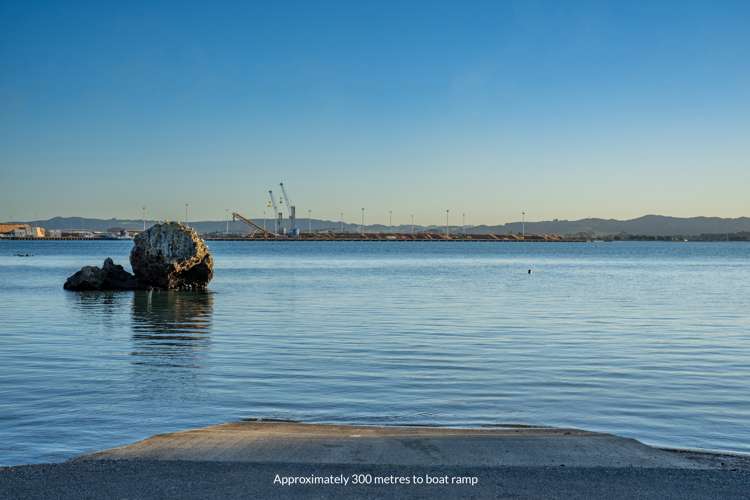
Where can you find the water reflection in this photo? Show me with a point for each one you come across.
(170, 328)
(106, 308)
(97, 301)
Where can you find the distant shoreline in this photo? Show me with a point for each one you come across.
(472, 238)
(369, 237)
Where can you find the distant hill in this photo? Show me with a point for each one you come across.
(648, 225)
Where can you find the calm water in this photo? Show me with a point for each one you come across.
(645, 340)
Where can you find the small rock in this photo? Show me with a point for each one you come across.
(109, 277)
(88, 278)
(117, 278)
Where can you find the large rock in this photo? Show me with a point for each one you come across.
(109, 277)
(171, 256)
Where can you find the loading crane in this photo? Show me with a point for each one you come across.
(291, 211)
(277, 214)
(256, 227)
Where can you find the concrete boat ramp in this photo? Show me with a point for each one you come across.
(288, 442)
(257, 459)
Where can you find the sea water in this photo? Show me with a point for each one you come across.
(645, 340)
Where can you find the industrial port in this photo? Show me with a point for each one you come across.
(284, 225)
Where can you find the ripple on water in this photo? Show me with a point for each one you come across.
(644, 340)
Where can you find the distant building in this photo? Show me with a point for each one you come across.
(21, 231)
(14, 230)
(120, 233)
(75, 233)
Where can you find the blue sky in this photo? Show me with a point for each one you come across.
(561, 109)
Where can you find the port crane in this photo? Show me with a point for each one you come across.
(276, 212)
(256, 227)
(291, 212)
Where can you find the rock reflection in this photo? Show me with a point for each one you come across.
(107, 308)
(170, 328)
(97, 300)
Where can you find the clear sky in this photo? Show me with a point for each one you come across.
(562, 109)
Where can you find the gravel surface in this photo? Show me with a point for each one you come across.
(143, 479)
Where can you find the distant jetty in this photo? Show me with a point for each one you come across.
(421, 236)
(331, 236)
(434, 237)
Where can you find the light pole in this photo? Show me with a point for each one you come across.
(227, 211)
(463, 223)
(143, 213)
(341, 219)
(523, 225)
(447, 228)
(412, 224)
(186, 213)
(390, 221)
(309, 221)
(362, 226)
(264, 220)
